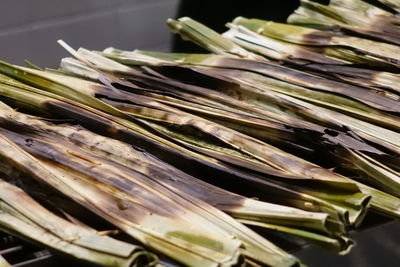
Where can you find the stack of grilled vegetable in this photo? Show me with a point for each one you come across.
(119, 156)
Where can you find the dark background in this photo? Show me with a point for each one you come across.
(217, 13)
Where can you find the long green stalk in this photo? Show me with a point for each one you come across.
(283, 74)
(247, 251)
(236, 205)
(305, 59)
(131, 218)
(337, 46)
(366, 130)
(23, 216)
(3, 262)
(352, 16)
(170, 148)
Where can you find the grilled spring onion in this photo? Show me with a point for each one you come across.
(126, 56)
(269, 68)
(320, 240)
(273, 48)
(147, 164)
(383, 82)
(374, 23)
(123, 212)
(3, 262)
(135, 233)
(235, 117)
(24, 217)
(96, 121)
(241, 147)
(233, 204)
(364, 129)
(354, 122)
(351, 49)
(395, 4)
(251, 252)
(179, 60)
(192, 30)
(364, 6)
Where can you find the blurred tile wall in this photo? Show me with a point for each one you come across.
(29, 29)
